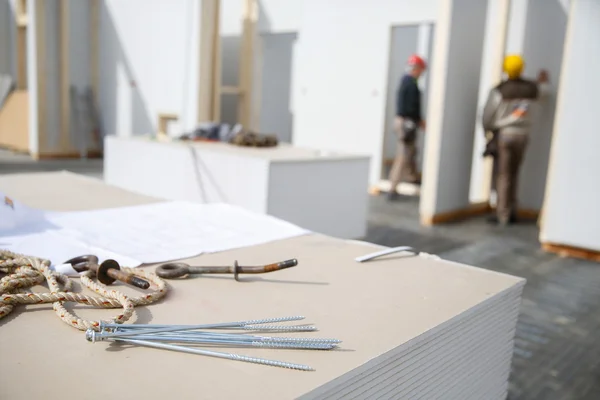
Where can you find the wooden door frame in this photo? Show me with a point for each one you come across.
(210, 85)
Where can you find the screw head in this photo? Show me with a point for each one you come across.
(90, 335)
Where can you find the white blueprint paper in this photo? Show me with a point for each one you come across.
(27, 231)
(171, 230)
(17, 218)
(53, 245)
(158, 232)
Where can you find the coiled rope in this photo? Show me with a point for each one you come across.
(24, 272)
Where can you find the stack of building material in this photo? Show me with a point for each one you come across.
(467, 357)
(412, 326)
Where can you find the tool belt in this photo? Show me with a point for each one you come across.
(253, 139)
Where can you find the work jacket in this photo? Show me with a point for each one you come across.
(509, 106)
(408, 99)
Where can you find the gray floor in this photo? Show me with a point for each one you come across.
(557, 348)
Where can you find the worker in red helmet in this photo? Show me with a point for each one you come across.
(407, 122)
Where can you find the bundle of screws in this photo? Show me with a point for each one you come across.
(159, 336)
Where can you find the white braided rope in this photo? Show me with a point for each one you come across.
(25, 272)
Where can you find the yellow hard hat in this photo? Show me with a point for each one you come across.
(513, 65)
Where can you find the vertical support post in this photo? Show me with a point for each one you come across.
(209, 81)
(562, 103)
(216, 103)
(36, 78)
(452, 110)
(247, 63)
(65, 94)
(21, 23)
(216, 62)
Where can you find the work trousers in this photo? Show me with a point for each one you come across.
(511, 149)
(405, 160)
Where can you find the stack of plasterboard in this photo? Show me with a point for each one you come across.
(468, 357)
(412, 326)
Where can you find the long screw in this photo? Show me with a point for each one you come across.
(93, 336)
(171, 328)
(264, 328)
(217, 354)
(226, 336)
(155, 336)
(277, 328)
(223, 341)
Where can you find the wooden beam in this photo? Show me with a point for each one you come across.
(209, 80)
(163, 122)
(476, 210)
(21, 23)
(64, 73)
(473, 210)
(569, 251)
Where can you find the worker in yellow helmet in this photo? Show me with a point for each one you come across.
(507, 114)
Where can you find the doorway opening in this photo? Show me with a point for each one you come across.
(275, 114)
(257, 78)
(404, 41)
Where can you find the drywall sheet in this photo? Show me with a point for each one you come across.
(148, 64)
(571, 208)
(458, 49)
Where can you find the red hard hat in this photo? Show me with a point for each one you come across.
(416, 60)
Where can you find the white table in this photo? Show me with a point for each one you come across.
(323, 192)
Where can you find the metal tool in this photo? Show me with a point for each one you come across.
(229, 356)
(384, 252)
(177, 270)
(268, 324)
(167, 336)
(107, 272)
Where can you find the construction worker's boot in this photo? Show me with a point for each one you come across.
(393, 196)
(493, 219)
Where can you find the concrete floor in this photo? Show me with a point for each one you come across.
(557, 349)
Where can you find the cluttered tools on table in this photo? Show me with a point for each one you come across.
(165, 337)
(237, 135)
(25, 271)
(178, 270)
